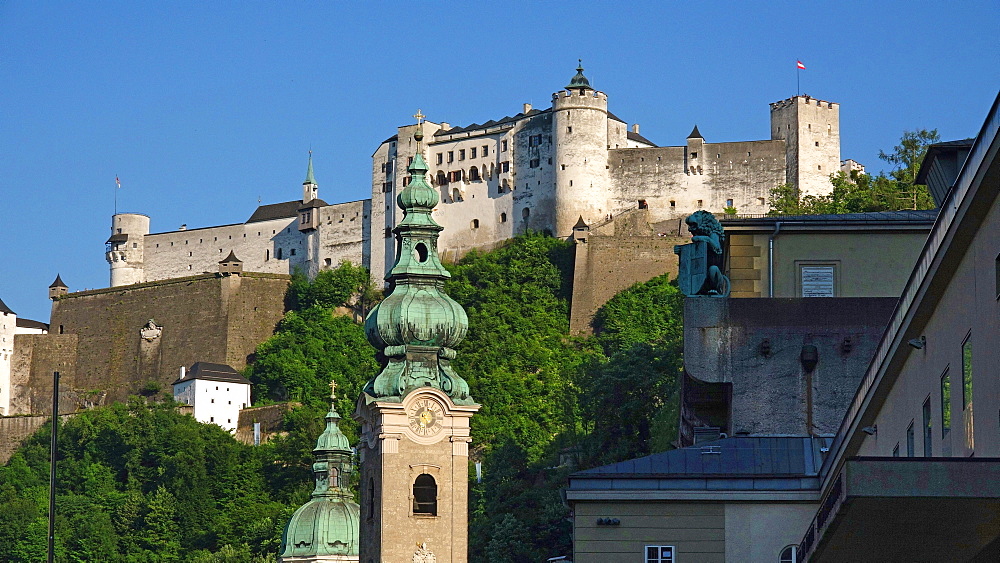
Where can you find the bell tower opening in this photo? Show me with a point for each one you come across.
(425, 495)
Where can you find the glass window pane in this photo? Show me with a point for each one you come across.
(945, 404)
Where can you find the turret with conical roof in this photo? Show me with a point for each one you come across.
(326, 528)
(57, 288)
(310, 189)
(417, 327)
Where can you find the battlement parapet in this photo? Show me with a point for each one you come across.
(804, 100)
(565, 98)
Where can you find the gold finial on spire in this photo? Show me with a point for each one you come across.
(333, 390)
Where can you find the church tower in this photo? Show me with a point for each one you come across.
(325, 529)
(415, 414)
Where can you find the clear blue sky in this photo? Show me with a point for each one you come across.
(201, 108)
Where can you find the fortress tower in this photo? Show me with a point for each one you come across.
(811, 131)
(580, 134)
(125, 248)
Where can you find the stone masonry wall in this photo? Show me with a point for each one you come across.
(634, 252)
(203, 318)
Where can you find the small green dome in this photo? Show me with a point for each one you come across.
(332, 439)
(417, 194)
(323, 526)
(579, 81)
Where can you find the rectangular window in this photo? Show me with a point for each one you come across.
(451, 156)
(729, 203)
(945, 403)
(909, 440)
(486, 150)
(694, 155)
(440, 157)
(461, 154)
(472, 152)
(505, 166)
(534, 163)
(928, 434)
(503, 145)
(659, 554)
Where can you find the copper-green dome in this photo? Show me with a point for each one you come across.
(323, 527)
(579, 81)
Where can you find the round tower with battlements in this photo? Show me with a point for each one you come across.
(580, 135)
(125, 248)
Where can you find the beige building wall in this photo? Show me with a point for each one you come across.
(760, 531)
(965, 308)
(696, 530)
(853, 255)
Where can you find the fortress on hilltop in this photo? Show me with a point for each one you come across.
(542, 169)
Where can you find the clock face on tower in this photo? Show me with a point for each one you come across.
(425, 417)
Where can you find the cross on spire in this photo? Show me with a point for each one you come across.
(420, 117)
(333, 390)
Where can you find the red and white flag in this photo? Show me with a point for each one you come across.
(118, 183)
(799, 65)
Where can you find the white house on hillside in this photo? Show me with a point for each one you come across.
(216, 391)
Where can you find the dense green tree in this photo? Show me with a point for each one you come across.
(855, 193)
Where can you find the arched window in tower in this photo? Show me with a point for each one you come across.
(474, 174)
(425, 495)
(456, 195)
(441, 178)
(334, 478)
(525, 213)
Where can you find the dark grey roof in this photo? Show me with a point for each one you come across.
(213, 372)
(695, 134)
(796, 456)
(490, 123)
(615, 117)
(937, 149)
(581, 224)
(313, 203)
(5, 309)
(28, 323)
(120, 237)
(633, 136)
(897, 217)
(58, 282)
(285, 210)
(231, 258)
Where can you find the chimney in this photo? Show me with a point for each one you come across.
(527, 108)
(184, 227)
(183, 370)
(635, 128)
(445, 126)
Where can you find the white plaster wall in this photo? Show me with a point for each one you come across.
(582, 185)
(214, 402)
(8, 327)
(127, 259)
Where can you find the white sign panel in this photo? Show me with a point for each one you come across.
(817, 281)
